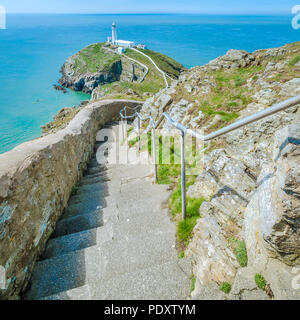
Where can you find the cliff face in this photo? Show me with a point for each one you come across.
(250, 179)
(100, 71)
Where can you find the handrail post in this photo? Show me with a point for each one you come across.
(125, 124)
(139, 132)
(183, 185)
(154, 154)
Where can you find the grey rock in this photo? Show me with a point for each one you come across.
(209, 292)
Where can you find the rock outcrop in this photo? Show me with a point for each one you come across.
(251, 176)
(99, 64)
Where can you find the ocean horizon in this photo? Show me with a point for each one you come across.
(34, 47)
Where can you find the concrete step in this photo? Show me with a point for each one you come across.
(125, 229)
(80, 293)
(137, 285)
(85, 266)
(92, 187)
(78, 223)
(85, 202)
(159, 282)
(95, 178)
(93, 170)
(77, 241)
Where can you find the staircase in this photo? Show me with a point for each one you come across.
(113, 241)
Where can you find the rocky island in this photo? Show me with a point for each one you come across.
(102, 72)
(242, 232)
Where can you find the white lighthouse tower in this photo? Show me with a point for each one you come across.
(114, 34)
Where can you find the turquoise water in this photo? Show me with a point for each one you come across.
(34, 47)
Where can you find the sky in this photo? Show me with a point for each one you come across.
(151, 6)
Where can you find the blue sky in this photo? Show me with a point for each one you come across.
(151, 6)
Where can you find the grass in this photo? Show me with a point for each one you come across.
(123, 90)
(185, 229)
(181, 254)
(294, 61)
(74, 190)
(94, 58)
(132, 142)
(193, 280)
(241, 251)
(165, 63)
(260, 281)
(129, 131)
(169, 174)
(225, 287)
(228, 95)
(241, 254)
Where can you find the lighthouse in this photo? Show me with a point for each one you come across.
(114, 34)
(120, 43)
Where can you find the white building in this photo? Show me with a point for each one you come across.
(121, 43)
(124, 43)
(114, 34)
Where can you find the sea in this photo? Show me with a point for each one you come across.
(34, 47)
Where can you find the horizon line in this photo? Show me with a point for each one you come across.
(159, 13)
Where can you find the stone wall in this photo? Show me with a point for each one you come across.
(36, 180)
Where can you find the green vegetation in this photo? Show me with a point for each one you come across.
(169, 174)
(239, 247)
(294, 61)
(132, 142)
(94, 58)
(227, 96)
(74, 190)
(121, 89)
(129, 131)
(181, 254)
(193, 279)
(165, 63)
(225, 287)
(185, 227)
(98, 57)
(191, 204)
(241, 254)
(260, 281)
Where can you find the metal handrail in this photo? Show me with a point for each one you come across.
(185, 130)
(239, 123)
(153, 125)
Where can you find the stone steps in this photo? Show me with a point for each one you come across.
(147, 284)
(125, 229)
(80, 293)
(114, 240)
(94, 178)
(136, 285)
(81, 267)
(78, 223)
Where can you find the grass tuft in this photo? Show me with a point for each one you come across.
(193, 279)
(294, 61)
(74, 191)
(260, 281)
(241, 254)
(225, 287)
(239, 247)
